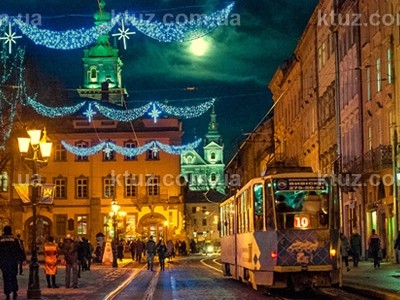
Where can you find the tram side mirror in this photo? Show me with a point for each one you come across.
(323, 218)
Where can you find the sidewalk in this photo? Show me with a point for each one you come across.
(100, 278)
(380, 283)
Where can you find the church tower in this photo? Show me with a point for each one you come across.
(213, 148)
(102, 66)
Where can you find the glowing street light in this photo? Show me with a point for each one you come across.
(43, 145)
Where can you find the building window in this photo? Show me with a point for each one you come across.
(389, 66)
(108, 155)
(81, 187)
(369, 138)
(204, 209)
(213, 177)
(204, 222)
(60, 184)
(153, 185)
(213, 155)
(61, 225)
(130, 186)
(93, 74)
(81, 144)
(130, 145)
(82, 222)
(378, 75)
(108, 187)
(152, 154)
(60, 154)
(194, 210)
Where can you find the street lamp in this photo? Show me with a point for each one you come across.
(44, 145)
(115, 214)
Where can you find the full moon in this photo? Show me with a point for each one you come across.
(199, 47)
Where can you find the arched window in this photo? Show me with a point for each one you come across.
(212, 155)
(93, 74)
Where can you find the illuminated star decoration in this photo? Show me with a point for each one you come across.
(10, 38)
(107, 150)
(123, 33)
(155, 113)
(89, 113)
(154, 149)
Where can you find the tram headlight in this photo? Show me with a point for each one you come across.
(210, 249)
(274, 254)
(332, 252)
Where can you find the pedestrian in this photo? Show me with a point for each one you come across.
(70, 251)
(151, 251)
(344, 250)
(397, 248)
(87, 249)
(355, 245)
(10, 253)
(120, 250)
(374, 247)
(162, 253)
(51, 252)
(140, 246)
(133, 248)
(170, 250)
(23, 254)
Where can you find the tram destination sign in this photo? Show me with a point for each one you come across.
(295, 184)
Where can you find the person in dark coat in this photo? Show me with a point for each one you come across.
(397, 248)
(70, 251)
(374, 245)
(133, 247)
(23, 255)
(355, 246)
(10, 254)
(151, 251)
(140, 246)
(162, 253)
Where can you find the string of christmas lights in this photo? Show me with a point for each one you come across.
(53, 112)
(153, 146)
(74, 39)
(154, 109)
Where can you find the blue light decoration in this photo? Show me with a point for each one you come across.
(10, 38)
(123, 33)
(89, 113)
(53, 112)
(154, 113)
(117, 114)
(163, 32)
(153, 146)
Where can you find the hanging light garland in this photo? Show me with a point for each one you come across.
(154, 109)
(153, 145)
(74, 39)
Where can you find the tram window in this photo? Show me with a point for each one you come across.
(258, 206)
(269, 208)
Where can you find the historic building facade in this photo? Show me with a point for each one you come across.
(146, 187)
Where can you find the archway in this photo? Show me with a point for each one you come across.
(152, 224)
(43, 231)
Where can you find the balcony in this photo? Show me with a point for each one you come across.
(378, 159)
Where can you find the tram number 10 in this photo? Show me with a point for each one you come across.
(301, 221)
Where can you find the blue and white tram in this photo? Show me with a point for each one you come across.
(282, 231)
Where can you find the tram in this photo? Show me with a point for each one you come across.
(282, 231)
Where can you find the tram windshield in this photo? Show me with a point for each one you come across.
(301, 203)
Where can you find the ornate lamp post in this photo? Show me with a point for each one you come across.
(115, 214)
(44, 146)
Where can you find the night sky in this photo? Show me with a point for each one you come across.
(236, 68)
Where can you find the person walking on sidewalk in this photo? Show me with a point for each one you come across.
(374, 247)
(355, 246)
(23, 254)
(397, 248)
(140, 247)
(10, 253)
(70, 250)
(344, 250)
(162, 253)
(150, 251)
(50, 262)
